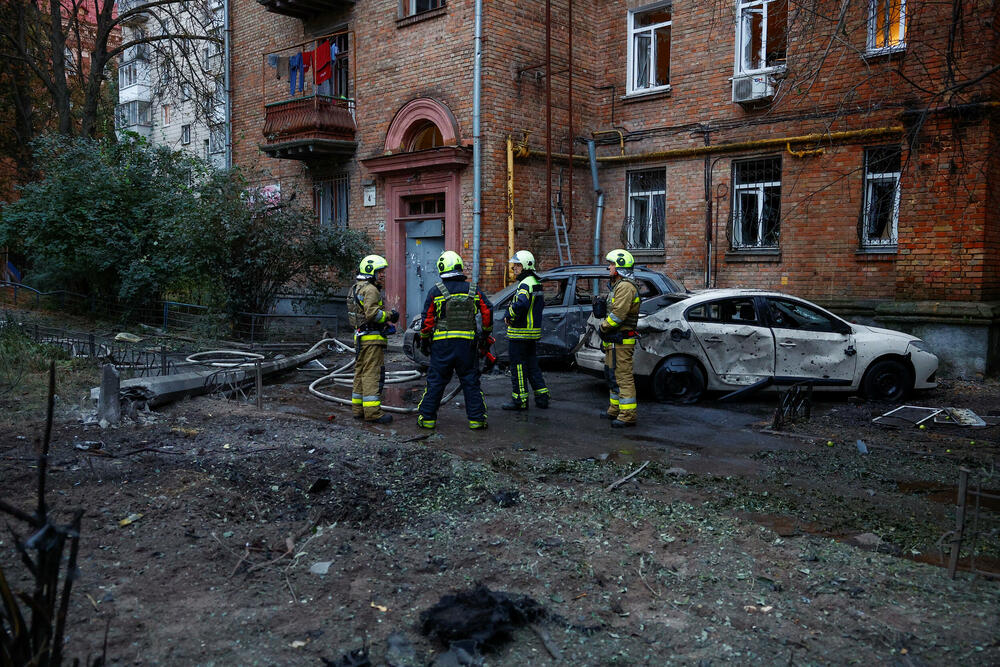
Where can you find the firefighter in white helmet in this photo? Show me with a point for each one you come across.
(524, 328)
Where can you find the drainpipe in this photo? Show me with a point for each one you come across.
(592, 150)
(477, 151)
(227, 82)
(510, 203)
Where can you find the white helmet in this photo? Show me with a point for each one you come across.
(525, 259)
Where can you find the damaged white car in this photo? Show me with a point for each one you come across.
(731, 339)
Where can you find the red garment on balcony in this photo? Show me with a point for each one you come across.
(322, 61)
(307, 60)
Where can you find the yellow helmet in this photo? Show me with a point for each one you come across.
(622, 259)
(370, 264)
(524, 258)
(449, 262)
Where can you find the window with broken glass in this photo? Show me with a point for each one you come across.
(756, 204)
(649, 49)
(880, 217)
(331, 199)
(646, 219)
(886, 25)
(761, 35)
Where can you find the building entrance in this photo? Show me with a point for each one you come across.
(424, 244)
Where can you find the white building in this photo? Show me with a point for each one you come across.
(173, 90)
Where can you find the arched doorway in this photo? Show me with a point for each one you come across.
(421, 167)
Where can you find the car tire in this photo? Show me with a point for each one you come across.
(887, 380)
(679, 380)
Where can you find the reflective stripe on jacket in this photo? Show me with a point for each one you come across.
(368, 301)
(435, 300)
(623, 310)
(524, 315)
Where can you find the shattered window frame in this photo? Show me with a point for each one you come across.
(331, 199)
(886, 26)
(758, 182)
(760, 45)
(646, 221)
(880, 217)
(648, 33)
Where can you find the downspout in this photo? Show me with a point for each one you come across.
(510, 203)
(592, 150)
(477, 151)
(227, 66)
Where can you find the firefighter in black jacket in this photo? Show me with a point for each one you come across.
(448, 335)
(371, 325)
(524, 328)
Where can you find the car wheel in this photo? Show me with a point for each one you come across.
(679, 380)
(887, 380)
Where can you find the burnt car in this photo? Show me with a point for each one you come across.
(569, 297)
(729, 339)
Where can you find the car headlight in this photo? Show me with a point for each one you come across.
(920, 345)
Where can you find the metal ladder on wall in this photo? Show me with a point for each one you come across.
(562, 237)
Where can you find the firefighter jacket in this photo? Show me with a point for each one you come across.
(364, 309)
(623, 313)
(524, 315)
(449, 311)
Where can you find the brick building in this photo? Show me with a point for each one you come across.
(844, 152)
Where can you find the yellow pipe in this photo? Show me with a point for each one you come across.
(621, 137)
(846, 135)
(510, 206)
(803, 153)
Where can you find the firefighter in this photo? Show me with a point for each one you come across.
(524, 328)
(371, 326)
(619, 336)
(448, 336)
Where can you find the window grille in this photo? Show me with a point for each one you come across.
(756, 204)
(332, 201)
(880, 216)
(647, 198)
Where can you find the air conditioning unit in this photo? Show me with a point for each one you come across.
(752, 88)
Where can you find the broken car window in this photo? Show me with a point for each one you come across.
(787, 314)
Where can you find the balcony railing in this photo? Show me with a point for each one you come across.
(303, 9)
(308, 108)
(309, 127)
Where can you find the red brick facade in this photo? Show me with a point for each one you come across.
(934, 99)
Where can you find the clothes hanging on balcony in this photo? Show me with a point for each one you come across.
(295, 70)
(280, 65)
(322, 61)
(307, 60)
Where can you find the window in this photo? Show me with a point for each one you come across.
(649, 49)
(338, 85)
(761, 35)
(881, 212)
(426, 204)
(128, 75)
(205, 150)
(185, 134)
(788, 314)
(217, 139)
(886, 25)
(426, 136)
(213, 51)
(756, 204)
(412, 7)
(185, 91)
(165, 114)
(647, 198)
(132, 114)
(331, 199)
(728, 311)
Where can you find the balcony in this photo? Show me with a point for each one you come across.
(308, 128)
(309, 113)
(303, 9)
(125, 6)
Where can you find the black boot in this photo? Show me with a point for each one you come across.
(514, 406)
(542, 403)
(384, 419)
(618, 423)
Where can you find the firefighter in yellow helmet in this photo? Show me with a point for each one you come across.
(371, 326)
(619, 336)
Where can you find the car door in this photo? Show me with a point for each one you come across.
(809, 342)
(737, 343)
(555, 318)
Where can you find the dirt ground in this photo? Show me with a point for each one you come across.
(293, 534)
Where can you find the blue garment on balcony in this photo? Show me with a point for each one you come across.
(295, 67)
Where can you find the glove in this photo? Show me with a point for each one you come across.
(390, 330)
(394, 316)
(425, 346)
(600, 309)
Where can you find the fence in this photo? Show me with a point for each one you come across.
(177, 316)
(977, 524)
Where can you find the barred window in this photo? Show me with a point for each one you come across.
(331, 199)
(647, 199)
(881, 203)
(756, 203)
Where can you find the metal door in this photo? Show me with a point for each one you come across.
(424, 244)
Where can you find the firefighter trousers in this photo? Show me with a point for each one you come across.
(369, 378)
(524, 370)
(621, 383)
(453, 356)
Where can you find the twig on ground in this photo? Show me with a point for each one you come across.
(546, 641)
(642, 577)
(614, 485)
(246, 554)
